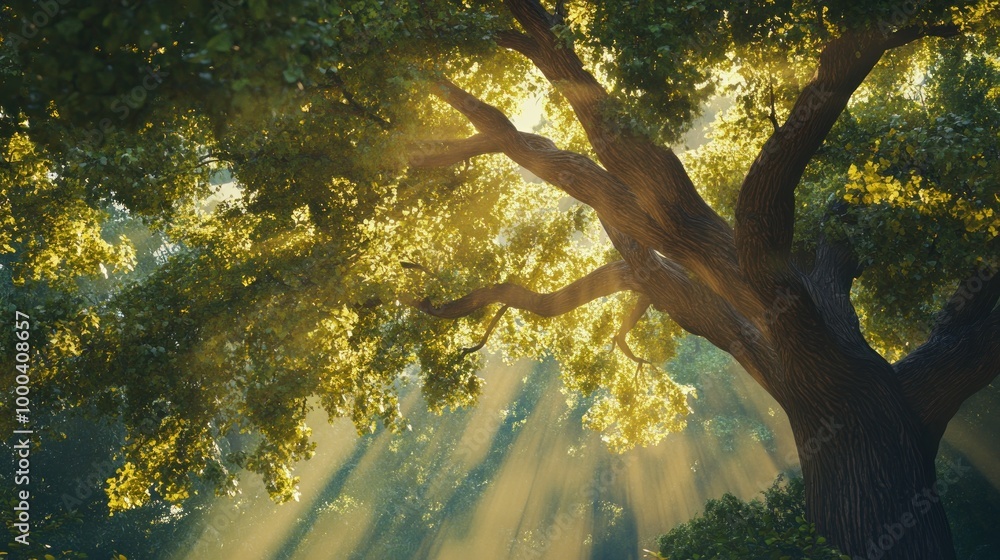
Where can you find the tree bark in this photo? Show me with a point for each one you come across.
(869, 470)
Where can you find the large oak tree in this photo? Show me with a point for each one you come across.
(837, 235)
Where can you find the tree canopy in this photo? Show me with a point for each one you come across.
(374, 234)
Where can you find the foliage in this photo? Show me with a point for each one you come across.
(69, 473)
(720, 411)
(906, 175)
(211, 319)
(730, 528)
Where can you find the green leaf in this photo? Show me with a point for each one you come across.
(258, 9)
(222, 42)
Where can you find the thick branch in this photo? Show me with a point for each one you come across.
(907, 35)
(604, 281)
(662, 176)
(575, 174)
(836, 265)
(700, 239)
(520, 42)
(829, 285)
(765, 210)
(953, 365)
(486, 118)
(960, 356)
(697, 308)
(973, 300)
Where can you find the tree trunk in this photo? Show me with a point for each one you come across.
(868, 468)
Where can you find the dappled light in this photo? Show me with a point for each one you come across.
(517, 473)
(526, 279)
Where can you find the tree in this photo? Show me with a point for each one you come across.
(819, 238)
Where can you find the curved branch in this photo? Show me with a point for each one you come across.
(694, 245)
(489, 330)
(950, 367)
(829, 286)
(960, 356)
(519, 42)
(974, 299)
(486, 118)
(628, 324)
(444, 153)
(575, 174)
(604, 281)
(765, 210)
(617, 149)
(912, 33)
(700, 239)
(698, 309)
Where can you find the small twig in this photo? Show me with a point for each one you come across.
(415, 266)
(357, 107)
(486, 336)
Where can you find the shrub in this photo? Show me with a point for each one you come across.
(731, 529)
